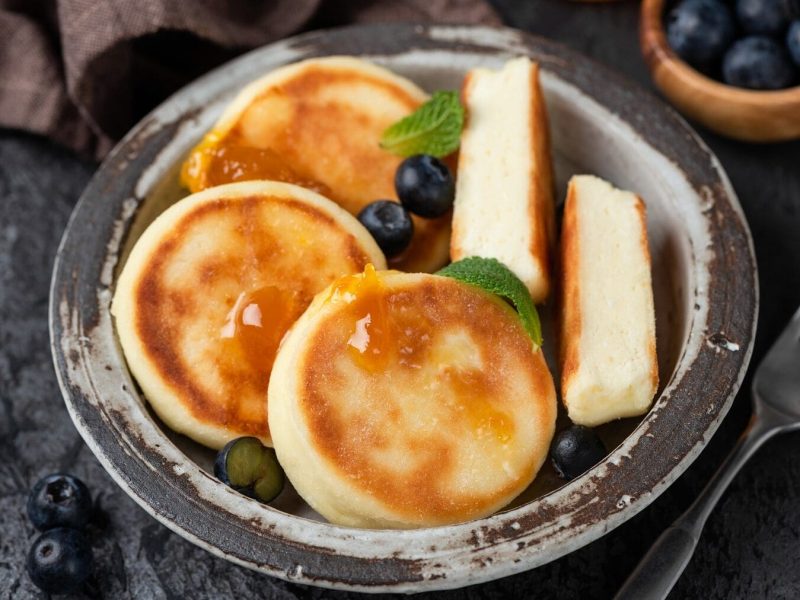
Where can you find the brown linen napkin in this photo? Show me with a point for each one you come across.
(84, 71)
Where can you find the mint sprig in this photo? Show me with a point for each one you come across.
(494, 277)
(434, 128)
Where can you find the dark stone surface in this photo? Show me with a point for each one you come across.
(751, 545)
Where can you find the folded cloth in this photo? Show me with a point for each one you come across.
(84, 71)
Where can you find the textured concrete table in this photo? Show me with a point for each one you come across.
(750, 548)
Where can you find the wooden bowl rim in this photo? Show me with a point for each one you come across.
(656, 50)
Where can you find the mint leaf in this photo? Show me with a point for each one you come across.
(434, 128)
(494, 277)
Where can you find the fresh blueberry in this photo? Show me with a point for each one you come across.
(768, 17)
(60, 560)
(390, 225)
(793, 41)
(251, 468)
(758, 63)
(59, 500)
(576, 450)
(700, 30)
(425, 186)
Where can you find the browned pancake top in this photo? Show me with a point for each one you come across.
(449, 388)
(309, 121)
(220, 250)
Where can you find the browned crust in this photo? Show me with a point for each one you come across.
(159, 309)
(348, 445)
(570, 307)
(641, 210)
(466, 89)
(540, 194)
(456, 251)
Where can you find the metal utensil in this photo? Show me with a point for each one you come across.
(776, 408)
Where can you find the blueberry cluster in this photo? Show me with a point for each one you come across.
(751, 44)
(60, 559)
(425, 187)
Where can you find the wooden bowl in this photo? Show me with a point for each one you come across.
(753, 116)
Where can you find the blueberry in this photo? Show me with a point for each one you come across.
(768, 17)
(700, 31)
(758, 63)
(425, 186)
(250, 468)
(576, 450)
(793, 41)
(59, 500)
(390, 225)
(60, 560)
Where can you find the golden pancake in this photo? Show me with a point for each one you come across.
(317, 123)
(209, 290)
(409, 400)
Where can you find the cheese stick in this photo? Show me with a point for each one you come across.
(504, 192)
(607, 322)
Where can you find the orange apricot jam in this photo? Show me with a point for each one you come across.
(382, 336)
(257, 322)
(370, 344)
(215, 161)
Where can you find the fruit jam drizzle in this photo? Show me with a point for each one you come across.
(215, 162)
(381, 335)
(257, 322)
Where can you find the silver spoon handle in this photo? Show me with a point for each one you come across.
(662, 566)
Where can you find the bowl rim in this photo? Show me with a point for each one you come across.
(100, 396)
(657, 51)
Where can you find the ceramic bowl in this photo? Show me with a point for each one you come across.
(706, 300)
(748, 115)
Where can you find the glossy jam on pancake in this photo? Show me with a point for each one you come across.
(317, 123)
(215, 162)
(212, 286)
(257, 322)
(409, 400)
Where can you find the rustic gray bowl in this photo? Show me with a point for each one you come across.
(706, 302)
